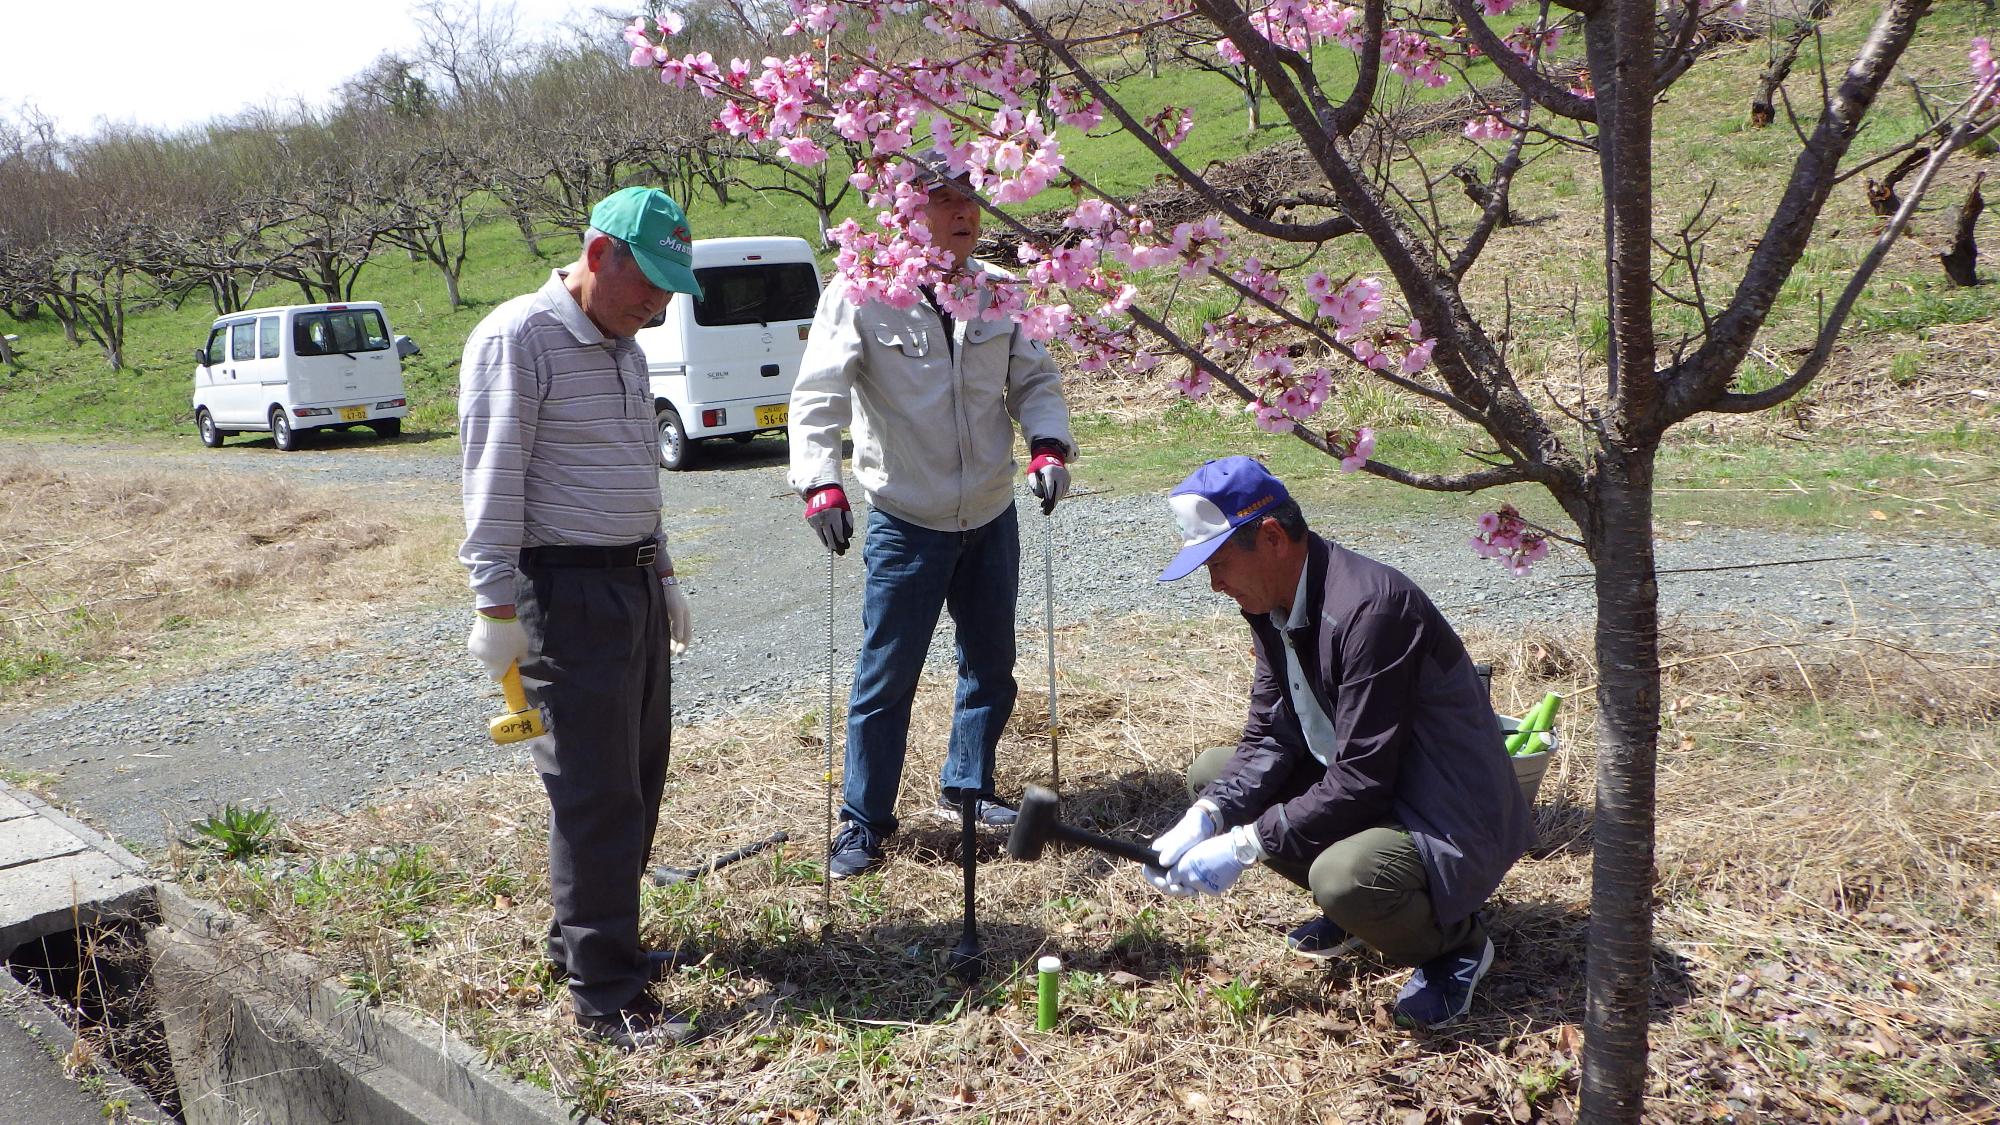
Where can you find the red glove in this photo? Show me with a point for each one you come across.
(830, 517)
(1048, 476)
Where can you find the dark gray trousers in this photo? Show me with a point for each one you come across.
(1372, 884)
(597, 665)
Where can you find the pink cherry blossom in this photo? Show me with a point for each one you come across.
(802, 151)
(1506, 538)
(1196, 383)
(1488, 128)
(1271, 417)
(1356, 453)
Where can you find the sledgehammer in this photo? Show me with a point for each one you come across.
(668, 876)
(521, 722)
(1036, 824)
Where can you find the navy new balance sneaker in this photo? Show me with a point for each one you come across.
(1441, 989)
(1321, 938)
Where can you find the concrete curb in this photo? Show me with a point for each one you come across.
(57, 874)
(116, 1100)
(261, 1033)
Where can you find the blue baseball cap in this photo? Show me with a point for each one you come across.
(1215, 500)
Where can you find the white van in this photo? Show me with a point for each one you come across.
(296, 368)
(723, 366)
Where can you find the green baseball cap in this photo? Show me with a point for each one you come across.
(654, 226)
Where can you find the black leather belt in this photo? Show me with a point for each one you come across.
(603, 558)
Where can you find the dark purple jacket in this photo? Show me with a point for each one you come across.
(1416, 741)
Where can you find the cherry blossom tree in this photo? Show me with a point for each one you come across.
(1005, 88)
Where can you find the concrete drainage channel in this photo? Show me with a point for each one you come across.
(126, 1000)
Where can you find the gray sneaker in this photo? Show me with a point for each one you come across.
(1440, 990)
(856, 851)
(988, 812)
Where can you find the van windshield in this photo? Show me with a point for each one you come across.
(756, 294)
(334, 332)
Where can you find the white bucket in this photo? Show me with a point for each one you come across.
(1529, 768)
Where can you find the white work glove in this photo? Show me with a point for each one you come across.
(498, 642)
(1160, 880)
(1048, 478)
(1196, 825)
(1212, 866)
(680, 627)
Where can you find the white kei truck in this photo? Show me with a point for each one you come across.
(296, 368)
(724, 366)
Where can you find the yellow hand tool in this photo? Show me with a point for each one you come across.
(521, 722)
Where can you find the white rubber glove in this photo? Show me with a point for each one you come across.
(498, 642)
(1212, 866)
(680, 627)
(1159, 879)
(1196, 825)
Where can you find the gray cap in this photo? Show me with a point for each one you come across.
(933, 167)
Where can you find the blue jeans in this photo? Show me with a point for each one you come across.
(912, 572)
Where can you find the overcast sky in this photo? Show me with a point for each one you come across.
(179, 62)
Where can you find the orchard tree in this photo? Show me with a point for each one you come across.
(999, 78)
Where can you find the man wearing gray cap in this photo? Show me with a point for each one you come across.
(933, 402)
(572, 581)
(1371, 770)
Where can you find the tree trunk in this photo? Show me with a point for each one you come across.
(1619, 975)
(1762, 111)
(450, 286)
(1961, 262)
(526, 225)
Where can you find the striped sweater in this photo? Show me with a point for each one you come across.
(556, 424)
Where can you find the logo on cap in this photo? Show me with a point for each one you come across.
(1261, 502)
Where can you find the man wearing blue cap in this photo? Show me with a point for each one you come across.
(1371, 770)
(572, 581)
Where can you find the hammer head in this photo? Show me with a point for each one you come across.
(516, 726)
(1034, 822)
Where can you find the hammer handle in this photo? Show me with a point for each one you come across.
(510, 686)
(1109, 845)
(744, 852)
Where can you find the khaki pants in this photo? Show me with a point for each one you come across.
(1371, 884)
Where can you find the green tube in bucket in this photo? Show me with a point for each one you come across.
(1541, 717)
(1045, 992)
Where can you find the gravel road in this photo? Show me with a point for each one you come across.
(398, 703)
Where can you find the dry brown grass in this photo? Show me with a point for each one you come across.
(1828, 942)
(97, 568)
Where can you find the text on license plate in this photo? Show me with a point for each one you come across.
(353, 413)
(772, 415)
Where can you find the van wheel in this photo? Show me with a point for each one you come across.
(210, 435)
(387, 427)
(676, 451)
(282, 434)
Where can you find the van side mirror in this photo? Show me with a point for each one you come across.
(201, 357)
(406, 347)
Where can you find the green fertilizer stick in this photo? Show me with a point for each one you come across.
(1539, 718)
(1045, 992)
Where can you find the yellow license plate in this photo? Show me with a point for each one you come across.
(772, 415)
(353, 413)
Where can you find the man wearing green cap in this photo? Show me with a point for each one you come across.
(572, 581)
